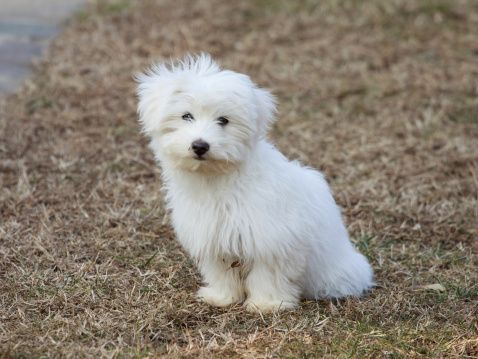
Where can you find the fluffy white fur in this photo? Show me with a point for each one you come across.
(262, 229)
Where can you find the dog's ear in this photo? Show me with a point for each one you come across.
(266, 109)
(155, 88)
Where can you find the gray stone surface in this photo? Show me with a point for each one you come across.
(26, 26)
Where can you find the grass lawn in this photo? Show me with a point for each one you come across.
(382, 96)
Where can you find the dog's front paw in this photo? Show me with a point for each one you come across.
(263, 306)
(217, 298)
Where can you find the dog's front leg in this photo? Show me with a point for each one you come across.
(271, 288)
(223, 285)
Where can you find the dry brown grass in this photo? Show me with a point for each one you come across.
(380, 95)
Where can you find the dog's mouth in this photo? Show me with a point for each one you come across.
(204, 164)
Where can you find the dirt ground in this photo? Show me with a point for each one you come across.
(379, 95)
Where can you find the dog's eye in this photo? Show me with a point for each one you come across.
(222, 121)
(188, 117)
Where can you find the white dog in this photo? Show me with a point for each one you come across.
(261, 228)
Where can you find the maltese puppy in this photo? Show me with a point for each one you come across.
(263, 230)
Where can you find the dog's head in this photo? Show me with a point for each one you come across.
(200, 117)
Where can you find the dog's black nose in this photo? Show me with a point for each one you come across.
(200, 147)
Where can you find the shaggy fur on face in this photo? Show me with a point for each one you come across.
(263, 230)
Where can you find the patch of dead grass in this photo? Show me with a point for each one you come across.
(381, 96)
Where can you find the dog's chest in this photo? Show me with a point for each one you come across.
(214, 225)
